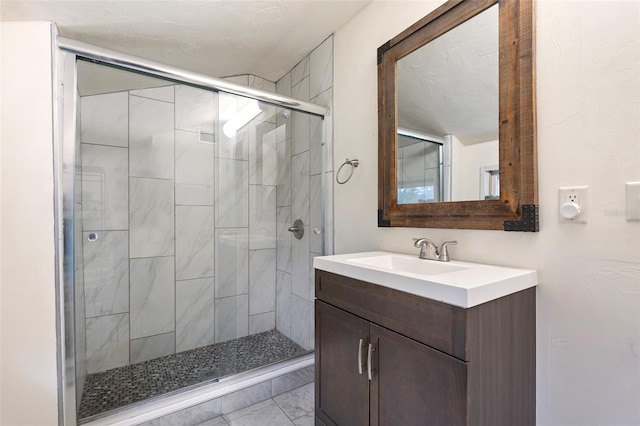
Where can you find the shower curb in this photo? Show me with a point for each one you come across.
(195, 406)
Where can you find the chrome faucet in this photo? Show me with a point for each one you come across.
(441, 254)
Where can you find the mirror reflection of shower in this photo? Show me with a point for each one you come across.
(432, 168)
(422, 168)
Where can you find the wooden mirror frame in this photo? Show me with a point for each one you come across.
(517, 208)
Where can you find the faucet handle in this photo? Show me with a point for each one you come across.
(444, 253)
(417, 242)
(422, 244)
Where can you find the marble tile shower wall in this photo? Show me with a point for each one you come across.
(299, 192)
(193, 246)
(135, 280)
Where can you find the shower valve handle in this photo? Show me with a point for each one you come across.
(297, 229)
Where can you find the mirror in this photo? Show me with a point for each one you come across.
(448, 99)
(457, 119)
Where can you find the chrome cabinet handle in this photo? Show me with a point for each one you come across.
(360, 346)
(369, 363)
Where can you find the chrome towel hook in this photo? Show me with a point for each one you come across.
(353, 163)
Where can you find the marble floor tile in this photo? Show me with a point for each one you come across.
(264, 413)
(298, 402)
(190, 416)
(243, 397)
(306, 420)
(218, 421)
(295, 407)
(291, 381)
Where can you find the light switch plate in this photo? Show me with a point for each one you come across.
(633, 201)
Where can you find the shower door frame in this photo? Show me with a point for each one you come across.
(66, 53)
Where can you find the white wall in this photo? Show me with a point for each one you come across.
(588, 78)
(28, 320)
(475, 157)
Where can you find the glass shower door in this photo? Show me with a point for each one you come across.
(188, 272)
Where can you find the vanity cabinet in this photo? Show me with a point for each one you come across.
(386, 357)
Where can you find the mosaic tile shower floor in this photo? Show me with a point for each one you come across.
(121, 386)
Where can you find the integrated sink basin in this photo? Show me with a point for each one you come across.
(411, 265)
(457, 283)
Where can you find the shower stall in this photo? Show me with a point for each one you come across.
(180, 198)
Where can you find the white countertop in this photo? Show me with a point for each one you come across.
(465, 285)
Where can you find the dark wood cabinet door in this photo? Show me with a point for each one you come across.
(342, 393)
(414, 384)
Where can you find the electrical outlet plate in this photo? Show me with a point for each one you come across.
(578, 195)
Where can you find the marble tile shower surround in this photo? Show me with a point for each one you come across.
(299, 191)
(106, 270)
(193, 245)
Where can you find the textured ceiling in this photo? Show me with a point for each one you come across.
(216, 38)
(450, 86)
